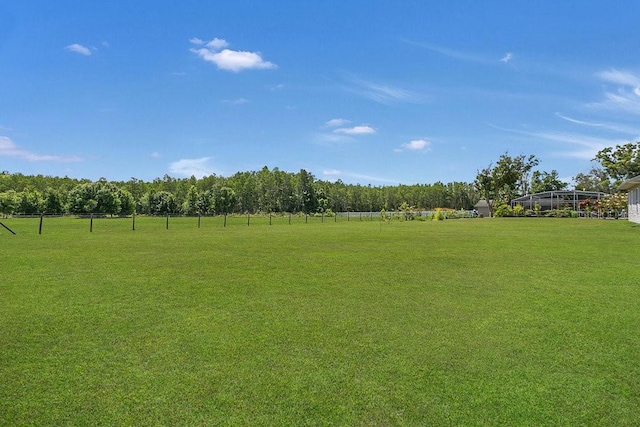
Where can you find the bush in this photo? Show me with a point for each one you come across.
(503, 211)
(438, 215)
(458, 214)
(407, 211)
(518, 210)
(562, 213)
(328, 213)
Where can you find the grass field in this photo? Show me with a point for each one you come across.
(459, 322)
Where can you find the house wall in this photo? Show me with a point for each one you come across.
(633, 209)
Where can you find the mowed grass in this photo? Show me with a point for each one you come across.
(459, 322)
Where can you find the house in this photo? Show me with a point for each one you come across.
(632, 185)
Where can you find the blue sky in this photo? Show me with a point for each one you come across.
(369, 92)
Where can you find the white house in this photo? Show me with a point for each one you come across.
(633, 186)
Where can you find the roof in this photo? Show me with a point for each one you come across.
(630, 183)
(482, 204)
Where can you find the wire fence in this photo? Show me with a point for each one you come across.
(136, 222)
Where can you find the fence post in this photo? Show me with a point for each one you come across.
(40, 226)
(8, 229)
(133, 222)
(91, 223)
(248, 216)
(167, 221)
(198, 219)
(225, 219)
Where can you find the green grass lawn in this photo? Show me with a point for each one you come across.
(459, 322)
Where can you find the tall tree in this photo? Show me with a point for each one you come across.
(225, 200)
(546, 181)
(9, 202)
(127, 202)
(190, 205)
(508, 179)
(101, 197)
(30, 201)
(486, 186)
(307, 192)
(53, 201)
(596, 179)
(621, 162)
(161, 203)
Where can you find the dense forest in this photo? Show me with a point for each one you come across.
(245, 192)
(273, 190)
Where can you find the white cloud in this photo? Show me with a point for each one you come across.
(416, 145)
(231, 60)
(238, 101)
(196, 40)
(356, 130)
(480, 58)
(332, 139)
(623, 100)
(609, 126)
(334, 175)
(196, 167)
(451, 53)
(623, 78)
(78, 48)
(626, 98)
(105, 44)
(155, 155)
(585, 146)
(331, 172)
(8, 148)
(217, 44)
(337, 122)
(383, 93)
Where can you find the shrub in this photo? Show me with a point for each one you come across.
(407, 211)
(438, 215)
(502, 211)
(518, 210)
(458, 214)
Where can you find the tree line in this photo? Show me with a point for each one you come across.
(273, 190)
(266, 190)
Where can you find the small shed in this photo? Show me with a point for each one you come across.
(632, 185)
(483, 208)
